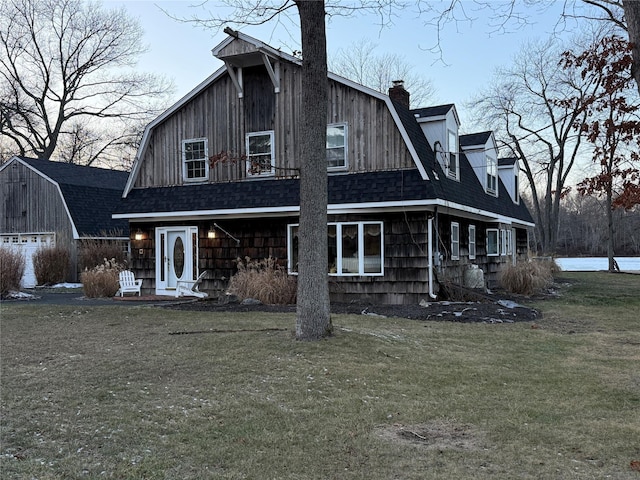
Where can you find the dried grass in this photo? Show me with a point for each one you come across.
(12, 265)
(94, 251)
(51, 264)
(528, 278)
(102, 280)
(263, 280)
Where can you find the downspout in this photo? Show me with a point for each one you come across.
(430, 254)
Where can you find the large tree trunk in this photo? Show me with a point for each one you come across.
(632, 17)
(313, 320)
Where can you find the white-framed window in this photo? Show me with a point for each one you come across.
(337, 146)
(455, 241)
(492, 175)
(492, 242)
(472, 242)
(355, 248)
(503, 241)
(453, 167)
(195, 160)
(509, 241)
(260, 153)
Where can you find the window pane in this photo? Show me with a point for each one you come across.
(372, 248)
(194, 150)
(260, 144)
(335, 157)
(492, 242)
(293, 246)
(196, 169)
(349, 248)
(335, 136)
(332, 260)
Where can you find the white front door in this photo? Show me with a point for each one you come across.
(176, 251)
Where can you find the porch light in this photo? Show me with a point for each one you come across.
(139, 235)
(212, 232)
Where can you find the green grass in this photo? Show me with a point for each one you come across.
(108, 392)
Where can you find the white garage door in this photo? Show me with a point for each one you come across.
(27, 244)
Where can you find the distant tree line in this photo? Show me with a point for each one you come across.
(583, 229)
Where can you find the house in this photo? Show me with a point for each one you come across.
(411, 201)
(46, 203)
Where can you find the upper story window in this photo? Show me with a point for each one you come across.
(336, 146)
(260, 153)
(455, 241)
(195, 160)
(492, 175)
(516, 185)
(453, 167)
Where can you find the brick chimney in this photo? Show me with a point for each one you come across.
(398, 93)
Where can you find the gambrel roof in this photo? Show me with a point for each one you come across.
(414, 188)
(90, 194)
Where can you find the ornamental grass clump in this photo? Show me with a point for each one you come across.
(528, 278)
(102, 280)
(51, 264)
(12, 265)
(94, 251)
(263, 280)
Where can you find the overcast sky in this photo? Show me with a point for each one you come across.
(470, 50)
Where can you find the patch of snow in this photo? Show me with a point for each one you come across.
(67, 285)
(20, 295)
(508, 303)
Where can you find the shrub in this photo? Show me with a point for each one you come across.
(93, 252)
(263, 280)
(51, 264)
(12, 265)
(102, 280)
(527, 278)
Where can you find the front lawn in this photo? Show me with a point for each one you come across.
(144, 392)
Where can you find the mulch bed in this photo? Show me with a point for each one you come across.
(488, 308)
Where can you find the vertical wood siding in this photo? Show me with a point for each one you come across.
(218, 114)
(32, 204)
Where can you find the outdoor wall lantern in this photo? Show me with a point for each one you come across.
(139, 235)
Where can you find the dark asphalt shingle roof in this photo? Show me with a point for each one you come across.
(471, 139)
(91, 194)
(386, 186)
(435, 111)
(353, 188)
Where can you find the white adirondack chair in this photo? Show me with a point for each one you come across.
(128, 283)
(189, 288)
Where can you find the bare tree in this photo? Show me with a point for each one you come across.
(67, 77)
(362, 63)
(611, 126)
(526, 106)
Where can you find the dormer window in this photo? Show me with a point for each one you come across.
(492, 175)
(452, 164)
(516, 179)
(195, 164)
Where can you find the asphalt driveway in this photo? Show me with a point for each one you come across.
(63, 296)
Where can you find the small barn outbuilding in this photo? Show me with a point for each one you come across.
(53, 203)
